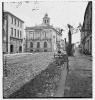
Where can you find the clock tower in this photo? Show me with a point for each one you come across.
(46, 20)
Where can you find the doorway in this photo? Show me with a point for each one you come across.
(11, 48)
(45, 50)
(20, 49)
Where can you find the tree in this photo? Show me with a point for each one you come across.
(69, 50)
(62, 30)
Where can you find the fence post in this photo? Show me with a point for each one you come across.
(66, 54)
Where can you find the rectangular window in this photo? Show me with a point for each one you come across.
(15, 32)
(38, 44)
(11, 31)
(18, 23)
(31, 35)
(20, 34)
(12, 20)
(15, 21)
(31, 44)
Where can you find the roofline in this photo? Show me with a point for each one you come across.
(13, 15)
(37, 27)
(46, 17)
(90, 2)
(29, 28)
(57, 31)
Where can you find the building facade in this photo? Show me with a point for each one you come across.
(42, 38)
(13, 30)
(63, 45)
(4, 34)
(86, 31)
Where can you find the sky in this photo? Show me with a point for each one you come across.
(60, 13)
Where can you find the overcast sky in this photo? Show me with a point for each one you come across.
(60, 13)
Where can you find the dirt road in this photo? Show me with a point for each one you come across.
(79, 77)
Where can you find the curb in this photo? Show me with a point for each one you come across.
(61, 86)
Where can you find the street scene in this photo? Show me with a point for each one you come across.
(47, 49)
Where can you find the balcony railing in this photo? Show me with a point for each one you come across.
(38, 39)
(11, 37)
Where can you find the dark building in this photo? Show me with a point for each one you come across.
(86, 31)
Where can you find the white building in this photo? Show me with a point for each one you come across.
(13, 33)
(42, 37)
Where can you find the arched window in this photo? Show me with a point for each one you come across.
(45, 21)
(38, 45)
(31, 44)
(45, 44)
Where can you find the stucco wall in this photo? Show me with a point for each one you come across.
(10, 25)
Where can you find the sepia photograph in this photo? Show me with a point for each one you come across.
(47, 49)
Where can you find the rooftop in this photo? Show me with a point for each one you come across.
(46, 16)
(41, 27)
(13, 15)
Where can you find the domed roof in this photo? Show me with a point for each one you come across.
(46, 16)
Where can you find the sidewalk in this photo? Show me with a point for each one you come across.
(61, 86)
(79, 77)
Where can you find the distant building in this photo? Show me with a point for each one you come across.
(43, 38)
(86, 31)
(13, 30)
(63, 46)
